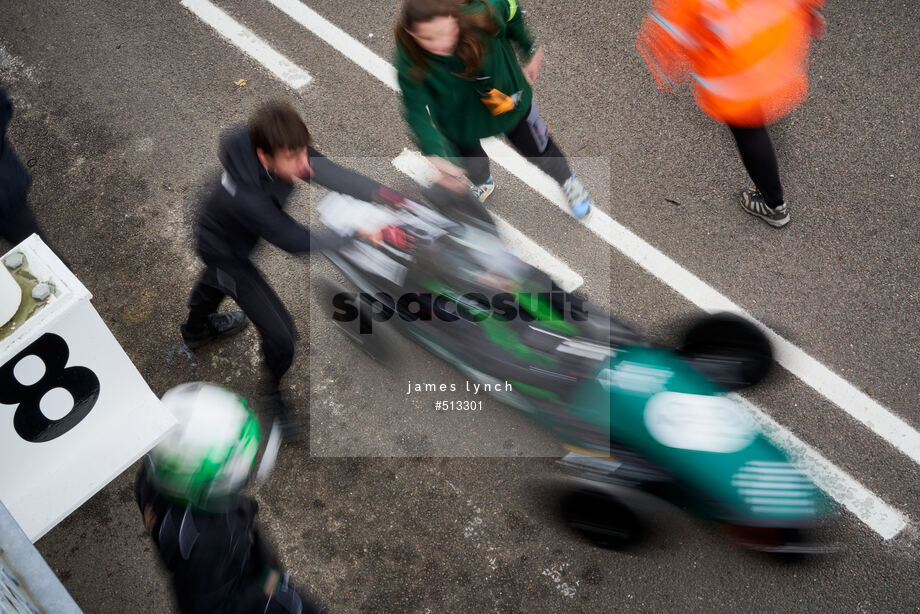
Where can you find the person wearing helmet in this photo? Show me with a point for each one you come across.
(261, 162)
(188, 492)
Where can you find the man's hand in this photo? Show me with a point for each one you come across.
(374, 237)
(150, 517)
(271, 582)
(533, 66)
(450, 175)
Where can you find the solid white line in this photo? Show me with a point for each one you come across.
(871, 510)
(249, 43)
(416, 167)
(339, 40)
(862, 503)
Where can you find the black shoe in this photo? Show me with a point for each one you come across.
(219, 325)
(754, 203)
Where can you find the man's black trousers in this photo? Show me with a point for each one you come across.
(243, 282)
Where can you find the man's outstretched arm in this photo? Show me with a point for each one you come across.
(340, 179)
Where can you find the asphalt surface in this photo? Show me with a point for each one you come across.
(396, 507)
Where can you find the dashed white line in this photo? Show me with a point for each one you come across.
(249, 43)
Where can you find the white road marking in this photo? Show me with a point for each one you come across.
(416, 167)
(249, 43)
(862, 503)
(871, 510)
(340, 40)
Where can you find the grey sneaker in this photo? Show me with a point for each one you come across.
(577, 195)
(753, 202)
(483, 190)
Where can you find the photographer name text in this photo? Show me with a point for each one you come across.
(473, 387)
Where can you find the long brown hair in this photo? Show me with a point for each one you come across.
(471, 48)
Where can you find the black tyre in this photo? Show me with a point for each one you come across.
(601, 519)
(729, 350)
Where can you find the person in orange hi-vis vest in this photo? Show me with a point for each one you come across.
(747, 60)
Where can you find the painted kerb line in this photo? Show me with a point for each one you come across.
(855, 402)
(652, 260)
(250, 44)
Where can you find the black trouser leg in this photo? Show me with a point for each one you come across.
(475, 161)
(258, 301)
(205, 299)
(760, 161)
(531, 138)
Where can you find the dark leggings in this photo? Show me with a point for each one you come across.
(531, 138)
(244, 283)
(757, 154)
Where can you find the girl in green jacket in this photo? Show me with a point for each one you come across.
(461, 82)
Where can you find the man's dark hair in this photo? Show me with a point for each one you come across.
(277, 125)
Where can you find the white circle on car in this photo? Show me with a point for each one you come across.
(698, 422)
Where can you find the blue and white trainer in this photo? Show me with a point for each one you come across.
(577, 195)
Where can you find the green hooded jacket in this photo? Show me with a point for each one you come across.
(444, 109)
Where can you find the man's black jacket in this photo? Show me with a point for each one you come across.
(248, 203)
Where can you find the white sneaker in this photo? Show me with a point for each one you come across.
(483, 190)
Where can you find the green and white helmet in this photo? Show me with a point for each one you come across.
(209, 455)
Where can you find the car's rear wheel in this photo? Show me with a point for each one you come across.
(728, 349)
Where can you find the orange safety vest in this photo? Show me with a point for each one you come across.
(747, 59)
